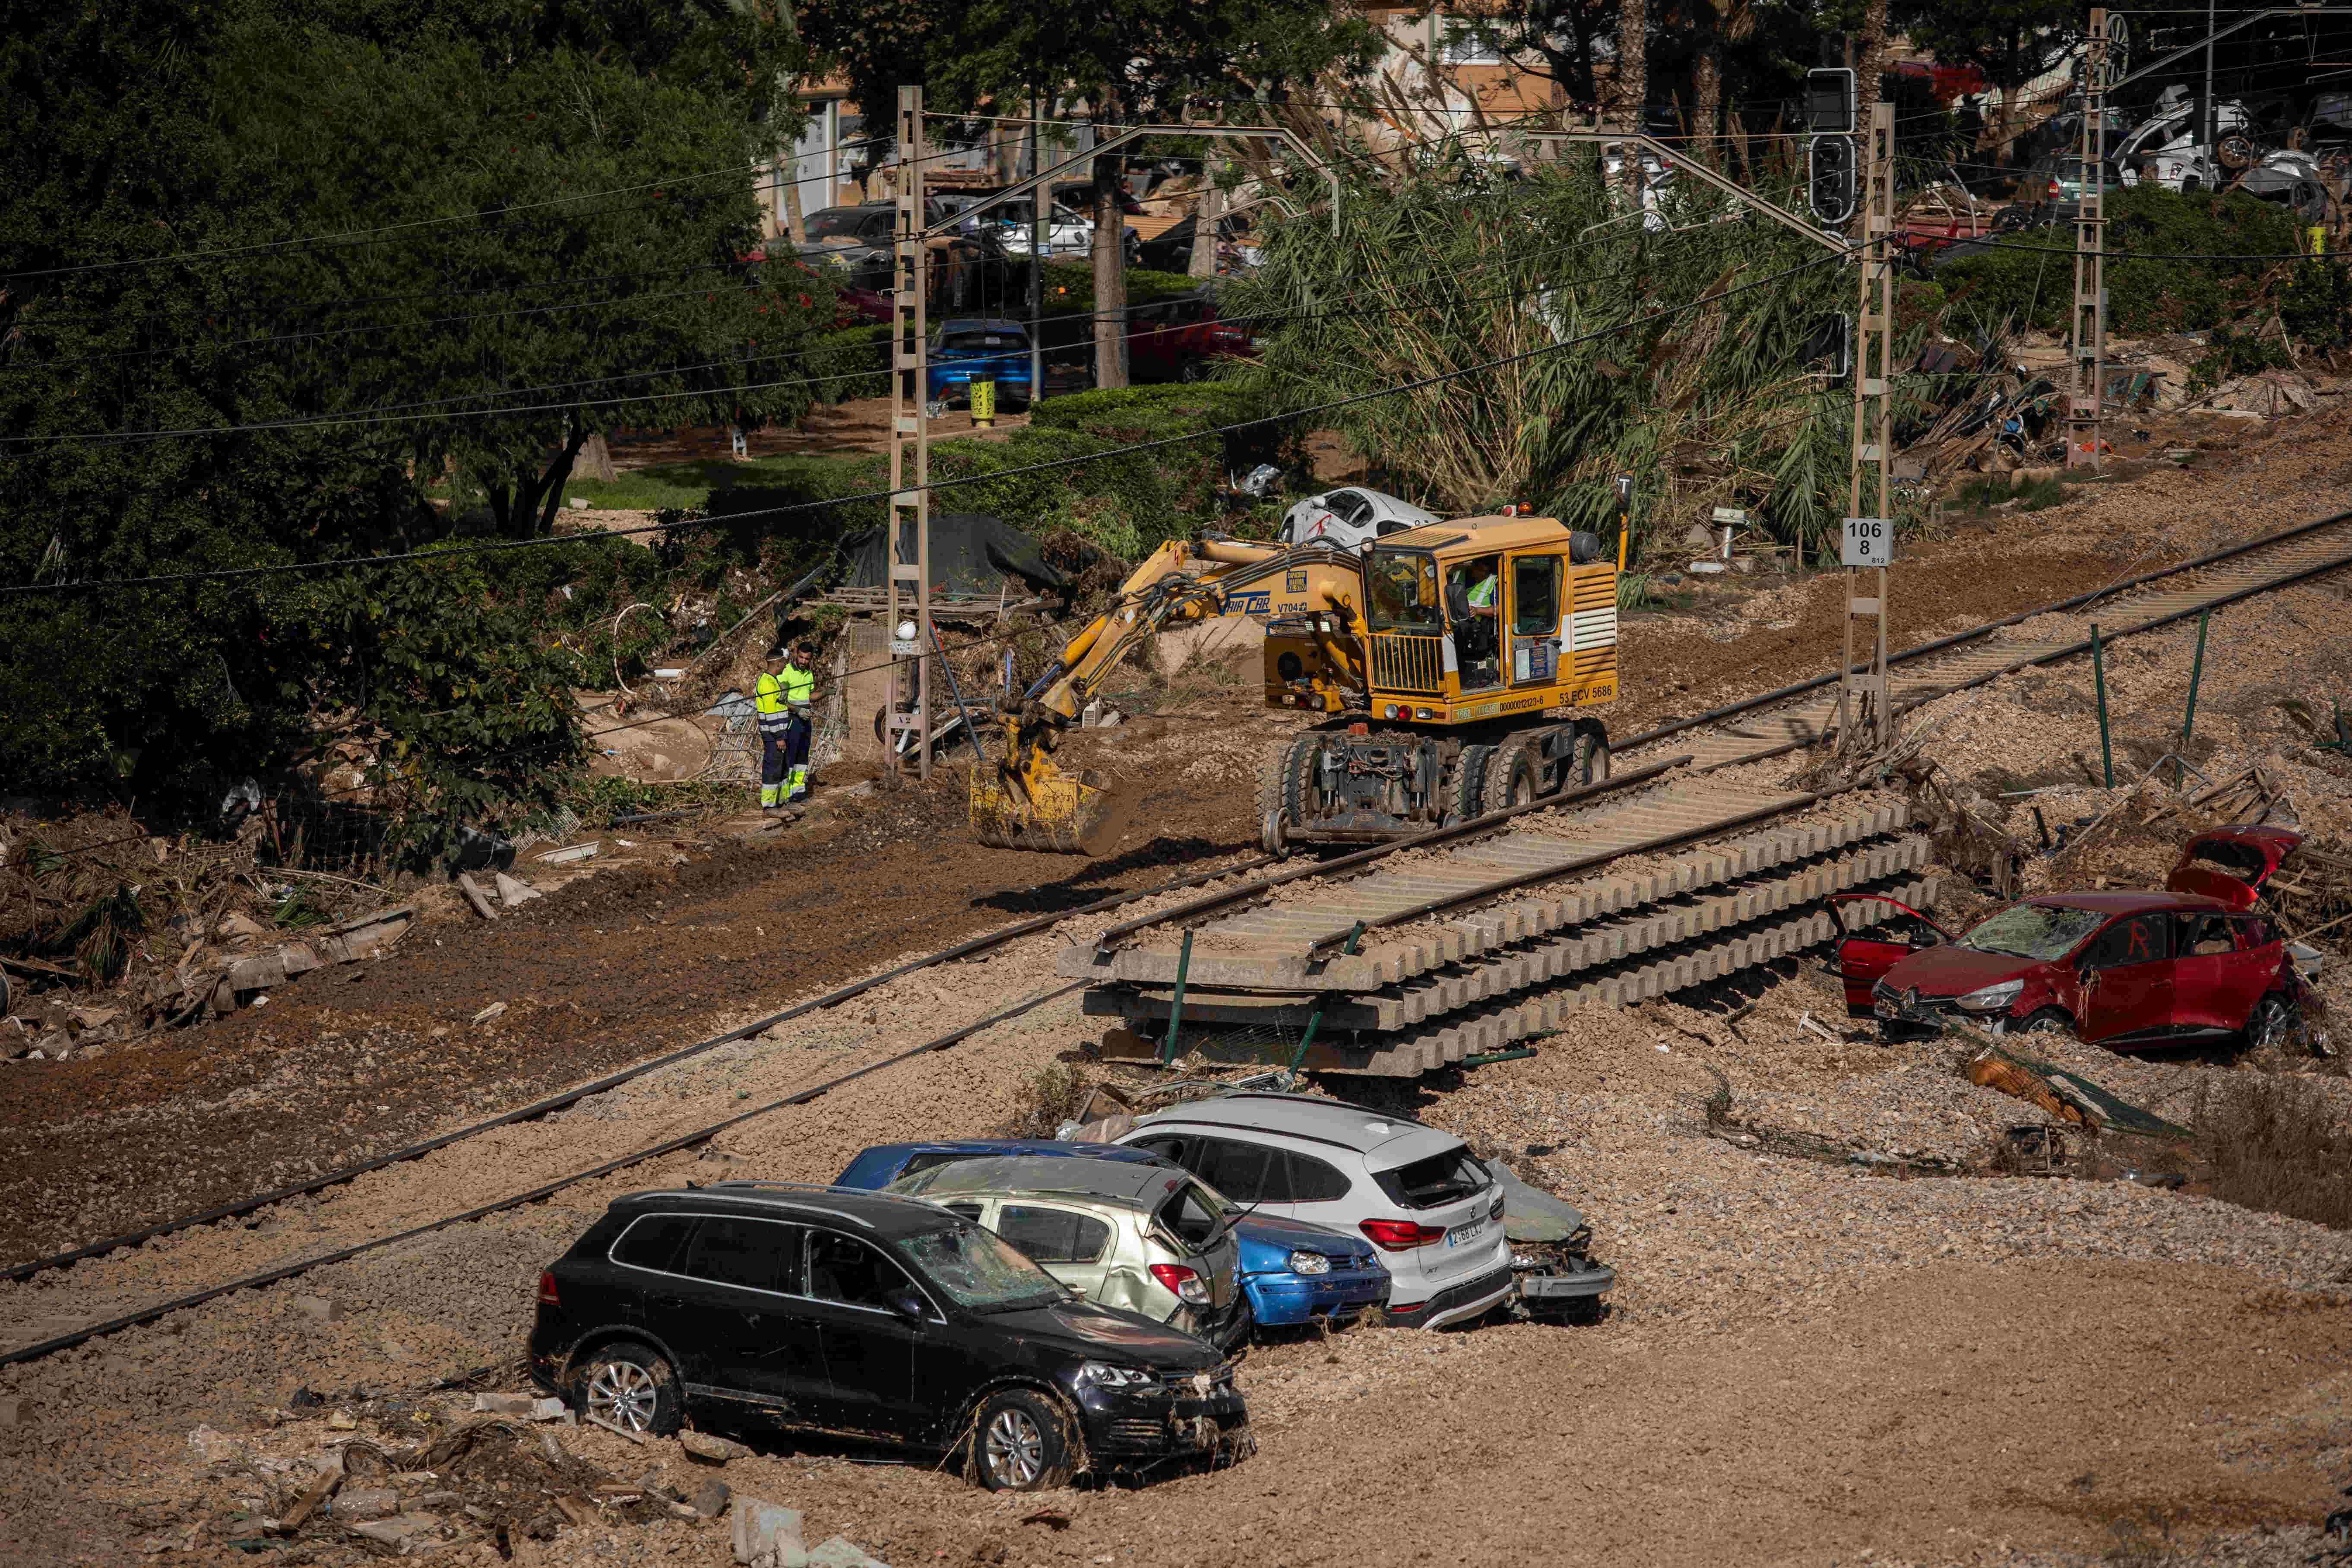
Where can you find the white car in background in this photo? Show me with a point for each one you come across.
(1350, 519)
(1068, 233)
(1432, 1207)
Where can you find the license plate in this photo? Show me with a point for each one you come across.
(1464, 1235)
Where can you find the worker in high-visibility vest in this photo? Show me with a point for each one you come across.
(782, 695)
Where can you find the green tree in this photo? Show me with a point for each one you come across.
(235, 220)
(1129, 60)
(2011, 41)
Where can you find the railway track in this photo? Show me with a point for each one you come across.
(1504, 935)
(1483, 933)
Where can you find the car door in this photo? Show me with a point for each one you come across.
(869, 1347)
(2208, 975)
(2127, 969)
(1862, 961)
(732, 1314)
(1066, 1241)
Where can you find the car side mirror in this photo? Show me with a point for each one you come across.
(906, 1302)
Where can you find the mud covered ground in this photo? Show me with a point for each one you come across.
(606, 972)
(1807, 1365)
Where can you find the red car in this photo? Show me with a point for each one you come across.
(2126, 970)
(1180, 340)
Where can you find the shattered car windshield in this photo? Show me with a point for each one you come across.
(2040, 931)
(980, 1269)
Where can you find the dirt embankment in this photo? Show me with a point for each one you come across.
(603, 972)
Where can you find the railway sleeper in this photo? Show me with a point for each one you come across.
(1275, 957)
(1479, 981)
(1500, 1024)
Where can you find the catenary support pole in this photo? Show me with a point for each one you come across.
(1315, 1019)
(1176, 1005)
(1862, 713)
(910, 454)
(2099, 681)
(2086, 397)
(2188, 720)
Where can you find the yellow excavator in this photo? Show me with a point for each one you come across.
(1446, 663)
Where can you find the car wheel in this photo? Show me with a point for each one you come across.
(2271, 1026)
(1196, 369)
(630, 1386)
(1021, 1443)
(2043, 1021)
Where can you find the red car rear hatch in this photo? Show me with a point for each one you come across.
(2232, 863)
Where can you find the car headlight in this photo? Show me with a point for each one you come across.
(1992, 998)
(1309, 1263)
(1103, 1375)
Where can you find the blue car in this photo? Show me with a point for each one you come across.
(968, 350)
(1293, 1272)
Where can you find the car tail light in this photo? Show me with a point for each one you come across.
(1187, 1285)
(1400, 1235)
(2054, 188)
(1496, 1213)
(547, 1296)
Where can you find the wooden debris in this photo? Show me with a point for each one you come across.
(474, 896)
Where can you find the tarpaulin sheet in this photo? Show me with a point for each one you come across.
(970, 554)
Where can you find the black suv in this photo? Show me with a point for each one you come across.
(870, 1317)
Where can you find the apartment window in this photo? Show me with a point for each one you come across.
(1469, 44)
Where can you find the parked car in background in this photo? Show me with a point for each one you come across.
(1148, 1238)
(1418, 1195)
(1292, 1272)
(2126, 970)
(1171, 251)
(1182, 340)
(751, 1303)
(1069, 233)
(1349, 518)
(865, 306)
(967, 350)
(859, 239)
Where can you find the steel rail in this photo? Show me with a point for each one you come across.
(1493, 821)
(1749, 704)
(1110, 936)
(1466, 829)
(577, 1092)
(515, 1200)
(1518, 879)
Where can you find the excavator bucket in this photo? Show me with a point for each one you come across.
(1063, 815)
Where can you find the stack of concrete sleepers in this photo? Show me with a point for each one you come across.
(1435, 989)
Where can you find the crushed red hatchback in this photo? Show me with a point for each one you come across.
(2129, 969)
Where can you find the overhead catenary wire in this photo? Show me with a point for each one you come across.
(344, 238)
(394, 412)
(491, 546)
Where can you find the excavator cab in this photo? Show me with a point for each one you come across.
(1480, 638)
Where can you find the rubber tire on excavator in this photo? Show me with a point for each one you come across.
(1272, 794)
(1281, 788)
(1470, 782)
(1588, 762)
(1512, 778)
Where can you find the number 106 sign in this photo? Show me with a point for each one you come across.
(1869, 542)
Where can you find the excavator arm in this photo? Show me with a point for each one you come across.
(1025, 801)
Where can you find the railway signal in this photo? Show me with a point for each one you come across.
(1830, 156)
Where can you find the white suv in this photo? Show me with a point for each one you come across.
(1420, 1195)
